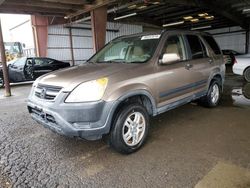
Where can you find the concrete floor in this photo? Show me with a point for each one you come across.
(190, 146)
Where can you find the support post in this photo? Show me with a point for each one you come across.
(5, 68)
(40, 30)
(71, 46)
(98, 24)
(247, 41)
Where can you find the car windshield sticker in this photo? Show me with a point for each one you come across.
(150, 37)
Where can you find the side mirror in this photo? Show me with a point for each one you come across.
(169, 58)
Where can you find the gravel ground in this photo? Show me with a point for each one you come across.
(183, 146)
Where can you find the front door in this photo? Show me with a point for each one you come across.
(174, 80)
(41, 67)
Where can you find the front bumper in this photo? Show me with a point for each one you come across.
(88, 120)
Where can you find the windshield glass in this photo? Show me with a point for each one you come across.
(19, 62)
(137, 49)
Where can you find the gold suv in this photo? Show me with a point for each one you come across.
(132, 78)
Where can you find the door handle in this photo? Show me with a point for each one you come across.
(210, 61)
(188, 66)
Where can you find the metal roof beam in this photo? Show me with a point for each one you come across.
(217, 6)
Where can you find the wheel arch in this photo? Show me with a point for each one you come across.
(246, 69)
(218, 77)
(141, 96)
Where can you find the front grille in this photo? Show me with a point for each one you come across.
(44, 116)
(47, 92)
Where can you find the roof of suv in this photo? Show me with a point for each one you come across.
(166, 31)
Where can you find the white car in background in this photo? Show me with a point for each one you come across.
(242, 66)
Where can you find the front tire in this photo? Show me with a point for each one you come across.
(213, 96)
(130, 128)
(247, 74)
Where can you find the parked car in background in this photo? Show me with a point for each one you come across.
(241, 95)
(28, 69)
(242, 66)
(132, 78)
(229, 55)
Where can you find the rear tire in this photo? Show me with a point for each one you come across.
(247, 74)
(130, 128)
(213, 96)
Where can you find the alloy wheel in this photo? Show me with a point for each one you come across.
(134, 129)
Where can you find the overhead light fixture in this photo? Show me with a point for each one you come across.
(66, 17)
(203, 27)
(156, 3)
(188, 17)
(172, 24)
(246, 10)
(142, 7)
(203, 14)
(209, 17)
(194, 20)
(125, 16)
(132, 6)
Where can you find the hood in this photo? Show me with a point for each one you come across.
(7, 63)
(69, 78)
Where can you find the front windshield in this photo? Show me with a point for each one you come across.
(137, 49)
(18, 62)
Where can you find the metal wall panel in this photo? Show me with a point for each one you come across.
(60, 54)
(82, 55)
(58, 29)
(235, 41)
(124, 29)
(82, 42)
(59, 40)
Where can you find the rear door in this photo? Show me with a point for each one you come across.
(200, 63)
(214, 49)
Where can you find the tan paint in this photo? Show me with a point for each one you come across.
(151, 76)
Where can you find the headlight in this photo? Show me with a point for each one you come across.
(88, 91)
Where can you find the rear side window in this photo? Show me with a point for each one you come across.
(196, 48)
(210, 40)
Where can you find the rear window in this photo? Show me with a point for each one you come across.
(196, 48)
(210, 40)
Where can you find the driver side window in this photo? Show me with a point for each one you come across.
(175, 45)
(40, 62)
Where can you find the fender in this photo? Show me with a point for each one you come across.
(136, 92)
(215, 72)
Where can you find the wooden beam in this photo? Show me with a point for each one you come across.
(76, 2)
(42, 4)
(4, 64)
(98, 25)
(48, 14)
(23, 8)
(89, 8)
(40, 28)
